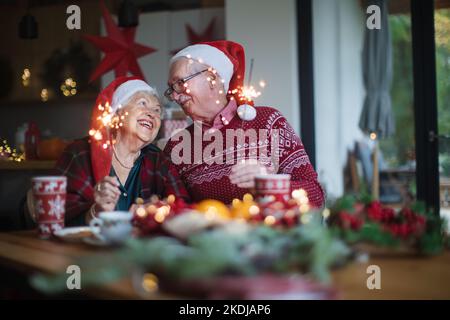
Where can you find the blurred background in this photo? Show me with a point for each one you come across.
(321, 67)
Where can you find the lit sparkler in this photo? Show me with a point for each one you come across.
(107, 120)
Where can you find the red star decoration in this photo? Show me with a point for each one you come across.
(121, 52)
(194, 38)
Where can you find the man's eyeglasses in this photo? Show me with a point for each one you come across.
(179, 85)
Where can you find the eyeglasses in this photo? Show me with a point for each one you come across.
(179, 86)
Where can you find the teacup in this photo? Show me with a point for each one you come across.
(272, 187)
(113, 226)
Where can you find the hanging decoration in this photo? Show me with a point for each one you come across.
(128, 14)
(193, 37)
(120, 49)
(28, 27)
(66, 72)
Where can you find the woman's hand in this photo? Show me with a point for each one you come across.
(243, 174)
(106, 194)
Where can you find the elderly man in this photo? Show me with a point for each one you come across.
(218, 156)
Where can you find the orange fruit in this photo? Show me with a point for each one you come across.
(213, 208)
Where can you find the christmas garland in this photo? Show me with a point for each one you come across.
(72, 62)
(360, 219)
(235, 251)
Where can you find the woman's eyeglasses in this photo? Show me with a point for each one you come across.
(179, 85)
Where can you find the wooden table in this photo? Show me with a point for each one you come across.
(28, 165)
(402, 277)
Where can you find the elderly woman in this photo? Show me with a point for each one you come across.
(104, 177)
(206, 80)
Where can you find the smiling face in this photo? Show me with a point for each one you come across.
(199, 99)
(143, 119)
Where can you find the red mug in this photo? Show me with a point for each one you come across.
(49, 198)
(273, 187)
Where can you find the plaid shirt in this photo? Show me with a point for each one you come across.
(157, 173)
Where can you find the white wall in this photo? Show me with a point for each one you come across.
(267, 30)
(339, 92)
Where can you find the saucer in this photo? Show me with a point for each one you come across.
(75, 234)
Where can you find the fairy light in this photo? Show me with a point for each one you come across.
(211, 213)
(326, 213)
(141, 212)
(150, 282)
(26, 75)
(151, 209)
(44, 95)
(304, 208)
(171, 199)
(236, 203)
(269, 220)
(98, 135)
(69, 87)
(247, 197)
(373, 136)
(253, 210)
(10, 154)
(160, 216)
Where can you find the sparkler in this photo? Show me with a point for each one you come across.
(108, 120)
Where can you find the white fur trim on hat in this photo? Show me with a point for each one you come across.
(211, 56)
(127, 89)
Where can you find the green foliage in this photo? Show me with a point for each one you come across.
(399, 149)
(310, 248)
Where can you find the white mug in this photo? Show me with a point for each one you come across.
(113, 226)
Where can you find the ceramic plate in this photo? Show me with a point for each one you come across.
(74, 234)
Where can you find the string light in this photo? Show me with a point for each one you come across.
(141, 212)
(69, 87)
(269, 220)
(10, 154)
(26, 75)
(44, 95)
(150, 282)
(326, 213)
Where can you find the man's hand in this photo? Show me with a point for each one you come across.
(243, 174)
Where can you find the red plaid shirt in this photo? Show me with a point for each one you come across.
(157, 173)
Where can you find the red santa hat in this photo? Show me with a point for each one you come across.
(228, 59)
(115, 95)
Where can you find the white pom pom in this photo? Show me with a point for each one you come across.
(246, 112)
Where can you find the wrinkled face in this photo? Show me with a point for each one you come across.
(198, 101)
(144, 117)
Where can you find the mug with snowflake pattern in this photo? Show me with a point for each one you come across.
(49, 198)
